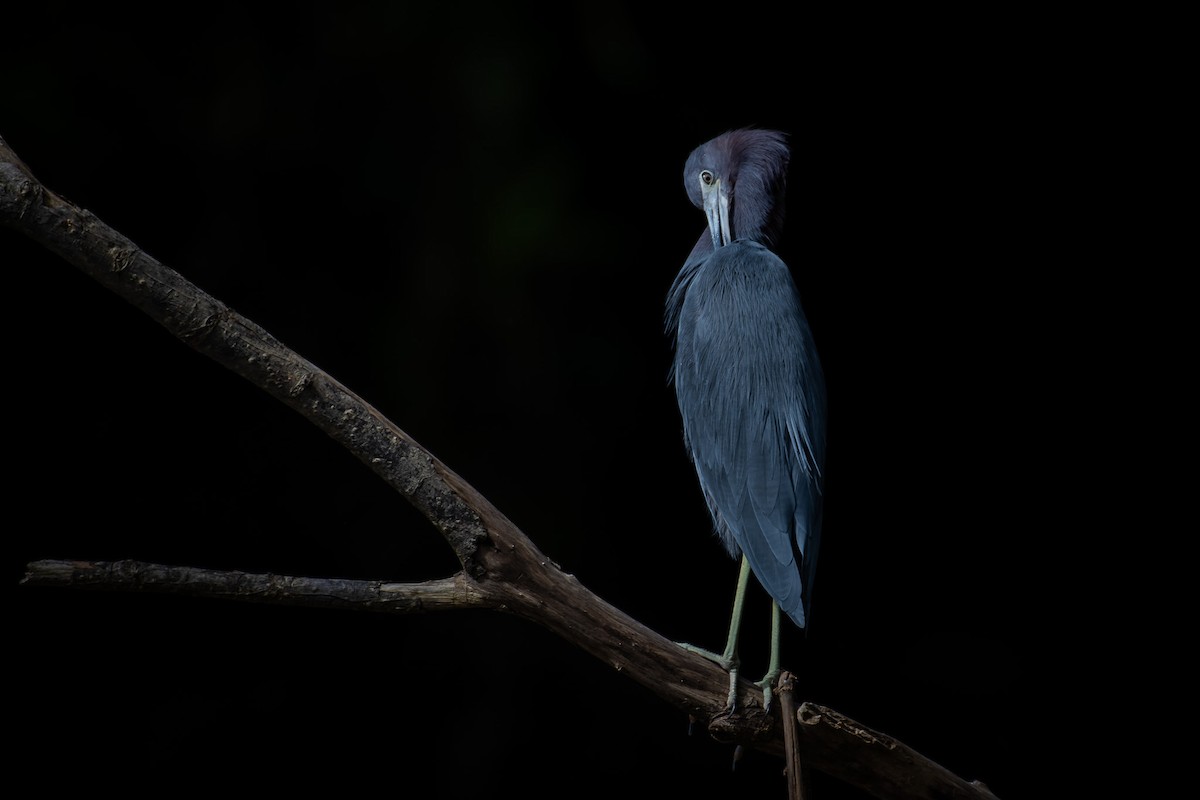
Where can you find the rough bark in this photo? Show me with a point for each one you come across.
(501, 568)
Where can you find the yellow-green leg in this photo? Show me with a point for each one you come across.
(729, 659)
(767, 684)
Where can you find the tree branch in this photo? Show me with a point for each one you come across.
(501, 568)
(457, 592)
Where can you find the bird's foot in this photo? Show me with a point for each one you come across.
(767, 684)
(725, 661)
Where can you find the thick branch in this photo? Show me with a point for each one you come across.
(502, 568)
(882, 766)
(502, 563)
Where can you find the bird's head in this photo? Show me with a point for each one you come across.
(738, 181)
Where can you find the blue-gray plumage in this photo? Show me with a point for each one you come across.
(746, 373)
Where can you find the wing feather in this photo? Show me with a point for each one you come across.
(752, 400)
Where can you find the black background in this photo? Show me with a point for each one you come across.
(470, 215)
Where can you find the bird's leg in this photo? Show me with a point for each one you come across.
(767, 684)
(729, 659)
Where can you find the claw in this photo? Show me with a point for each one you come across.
(767, 684)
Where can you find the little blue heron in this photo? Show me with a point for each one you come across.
(749, 384)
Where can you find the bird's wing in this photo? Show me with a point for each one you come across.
(700, 252)
(752, 399)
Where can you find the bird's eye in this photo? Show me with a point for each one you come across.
(707, 177)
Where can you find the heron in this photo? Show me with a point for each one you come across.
(749, 383)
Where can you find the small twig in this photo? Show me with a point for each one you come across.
(791, 744)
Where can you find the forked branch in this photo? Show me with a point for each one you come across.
(501, 567)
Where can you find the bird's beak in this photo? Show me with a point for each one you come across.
(716, 208)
